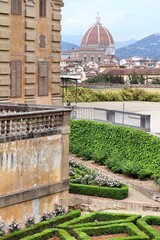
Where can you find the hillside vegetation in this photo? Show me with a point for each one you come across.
(126, 94)
(123, 149)
(148, 47)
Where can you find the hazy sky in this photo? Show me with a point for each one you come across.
(125, 19)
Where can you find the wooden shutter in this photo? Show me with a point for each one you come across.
(42, 8)
(43, 78)
(19, 7)
(16, 78)
(16, 7)
(13, 6)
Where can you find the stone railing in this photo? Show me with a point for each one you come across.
(140, 121)
(20, 122)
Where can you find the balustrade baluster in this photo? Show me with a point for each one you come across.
(13, 127)
(52, 122)
(33, 125)
(24, 126)
(28, 123)
(38, 124)
(3, 126)
(46, 123)
(8, 129)
(43, 124)
(18, 127)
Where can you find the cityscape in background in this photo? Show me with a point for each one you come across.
(96, 53)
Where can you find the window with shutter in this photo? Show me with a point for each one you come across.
(43, 78)
(42, 8)
(16, 78)
(16, 7)
(42, 41)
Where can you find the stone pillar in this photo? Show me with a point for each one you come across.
(30, 51)
(145, 122)
(111, 116)
(56, 48)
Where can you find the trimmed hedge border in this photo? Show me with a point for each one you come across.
(98, 219)
(123, 149)
(99, 191)
(39, 227)
(62, 234)
(134, 233)
(145, 225)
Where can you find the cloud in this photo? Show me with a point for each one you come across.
(121, 17)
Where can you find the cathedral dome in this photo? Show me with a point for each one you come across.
(97, 36)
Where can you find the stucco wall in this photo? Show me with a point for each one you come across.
(35, 176)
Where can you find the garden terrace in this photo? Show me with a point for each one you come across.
(29, 121)
(96, 225)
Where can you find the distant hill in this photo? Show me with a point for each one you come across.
(68, 46)
(120, 44)
(75, 39)
(146, 47)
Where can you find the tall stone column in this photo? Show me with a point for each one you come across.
(30, 51)
(56, 49)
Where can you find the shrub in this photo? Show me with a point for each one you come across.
(30, 221)
(39, 227)
(95, 219)
(14, 226)
(145, 225)
(2, 232)
(85, 175)
(129, 228)
(98, 191)
(126, 94)
(46, 234)
(123, 149)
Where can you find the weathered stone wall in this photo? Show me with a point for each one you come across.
(33, 176)
(34, 167)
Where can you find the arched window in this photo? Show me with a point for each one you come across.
(92, 58)
(85, 58)
(99, 58)
(42, 8)
(42, 41)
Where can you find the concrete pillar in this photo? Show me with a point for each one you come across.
(145, 122)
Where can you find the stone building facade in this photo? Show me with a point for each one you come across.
(33, 160)
(30, 51)
(34, 128)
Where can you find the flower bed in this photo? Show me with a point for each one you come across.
(39, 227)
(86, 181)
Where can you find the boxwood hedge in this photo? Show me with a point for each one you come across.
(134, 233)
(39, 227)
(145, 225)
(99, 191)
(123, 149)
(46, 234)
(99, 219)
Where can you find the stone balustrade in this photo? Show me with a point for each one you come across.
(19, 122)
